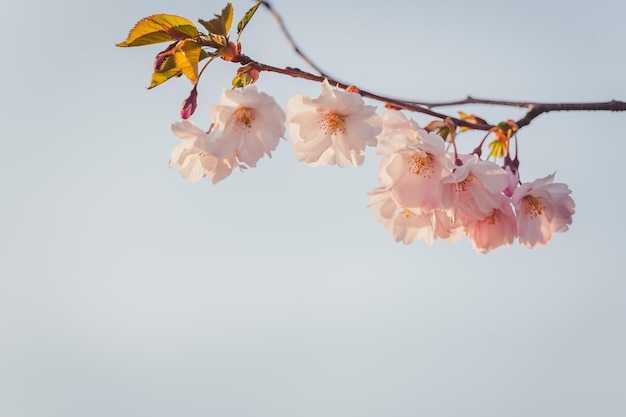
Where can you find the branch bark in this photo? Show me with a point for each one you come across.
(534, 109)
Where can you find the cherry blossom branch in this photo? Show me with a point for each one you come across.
(297, 50)
(534, 108)
(396, 103)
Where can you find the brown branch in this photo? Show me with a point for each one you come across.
(472, 100)
(535, 109)
(298, 73)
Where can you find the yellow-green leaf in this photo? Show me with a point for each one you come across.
(221, 24)
(169, 70)
(159, 77)
(160, 28)
(186, 58)
(246, 18)
(498, 148)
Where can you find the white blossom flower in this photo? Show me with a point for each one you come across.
(247, 123)
(333, 129)
(398, 131)
(473, 190)
(542, 208)
(414, 172)
(494, 230)
(410, 225)
(195, 163)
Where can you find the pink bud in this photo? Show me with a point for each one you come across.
(512, 181)
(189, 104)
(161, 56)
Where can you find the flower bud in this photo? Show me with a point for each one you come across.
(188, 107)
(231, 52)
(159, 59)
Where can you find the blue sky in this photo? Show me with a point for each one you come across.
(125, 290)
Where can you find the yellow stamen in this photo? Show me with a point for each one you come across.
(532, 206)
(244, 116)
(463, 185)
(333, 123)
(422, 165)
(494, 218)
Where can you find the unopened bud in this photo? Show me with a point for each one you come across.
(231, 52)
(159, 59)
(352, 89)
(188, 107)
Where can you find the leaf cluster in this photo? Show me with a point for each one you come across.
(189, 46)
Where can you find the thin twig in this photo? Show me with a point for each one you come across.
(290, 39)
(534, 108)
(298, 73)
(539, 108)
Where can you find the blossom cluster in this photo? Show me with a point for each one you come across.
(425, 191)
(428, 193)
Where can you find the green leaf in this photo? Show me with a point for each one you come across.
(246, 18)
(159, 28)
(186, 58)
(221, 24)
(159, 77)
(238, 82)
(169, 70)
(498, 149)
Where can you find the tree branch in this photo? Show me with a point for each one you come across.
(298, 73)
(297, 50)
(534, 109)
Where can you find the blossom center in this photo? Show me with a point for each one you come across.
(422, 165)
(532, 206)
(334, 122)
(463, 185)
(494, 218)
(244, 116)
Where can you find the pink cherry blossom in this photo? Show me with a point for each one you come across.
(494, 230)
(414, 172)
(398, 131)
(512, 181)
(333, 129)
(410, 225)
(195, 163)
(247, 123)
(473, 189)
(543, 208)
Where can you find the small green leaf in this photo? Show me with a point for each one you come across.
(238, 82)
(498, 149)
(169, 70)
(221, 24)
(246, 18)
(159, 77)
(159, 28)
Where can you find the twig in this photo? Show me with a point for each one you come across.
(534, 109)
(290, 39)
(298, 73)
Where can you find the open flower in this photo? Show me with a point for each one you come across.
(494, 230)
(543, 208)
(246, 123)
(410, 225)
(473, 189)
(195, 163)
(414, 172)
(333, 129)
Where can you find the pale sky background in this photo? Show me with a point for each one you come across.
(125, 290)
